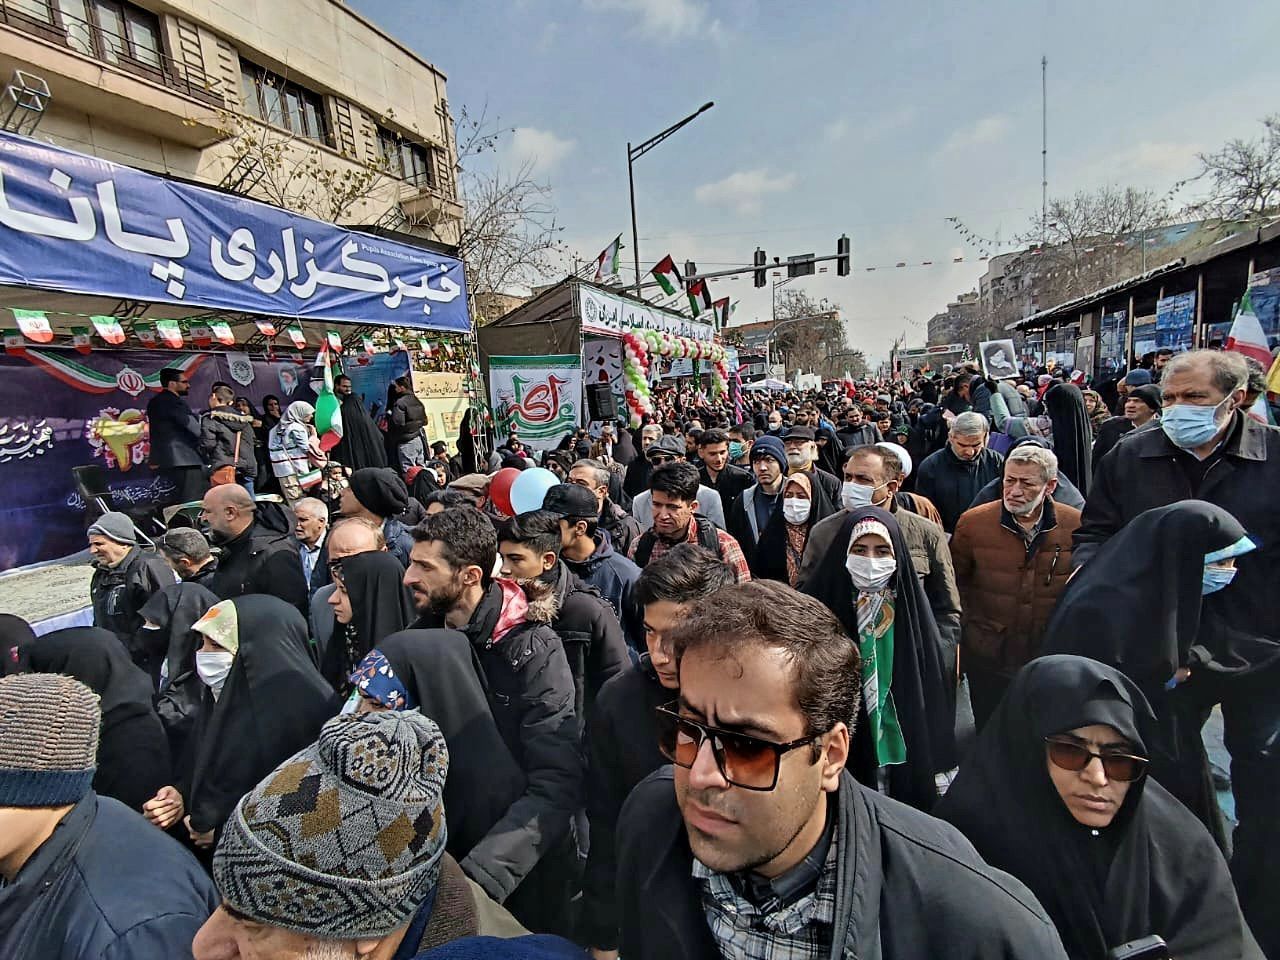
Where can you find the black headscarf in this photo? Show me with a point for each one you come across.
(923, 691)
(1072, 434)
(380, 606)
(175, 609)
(830, 454)
(272, 705)
(439, 672)
(769, 558)
(361, 444)
(467, 445)
(15, 636)
(1153, 870)
(133, 755)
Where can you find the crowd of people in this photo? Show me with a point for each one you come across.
(896, 668)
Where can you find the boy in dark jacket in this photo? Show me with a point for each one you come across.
(527, 860)
(220, 429)
(84, 877)
(405, 422)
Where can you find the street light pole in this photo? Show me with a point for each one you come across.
(634, 154)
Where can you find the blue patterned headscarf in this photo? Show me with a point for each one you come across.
(375, 679)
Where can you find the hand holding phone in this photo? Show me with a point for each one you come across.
(1148, 948)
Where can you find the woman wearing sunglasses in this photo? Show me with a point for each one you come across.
(1055, 792)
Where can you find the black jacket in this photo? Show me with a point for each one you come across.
(119, 593)
(829, 482)
(218, 431)
(622, 741)
(262, 561)
(106, 885)
(637, 478)
(174, 432)
(952, 483)
(408, 417)
(860, 435)
(591, 635)
(1145, 470)
(623, 529)
(531, 692)
(1109, 434)
(613, 575)
(729, 483)
(910, 886)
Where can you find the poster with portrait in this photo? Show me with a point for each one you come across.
(1085, 348)
(999, 359)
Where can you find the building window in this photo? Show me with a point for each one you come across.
(111, 30)
(410, 162)
(284, 104)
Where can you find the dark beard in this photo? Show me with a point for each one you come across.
(444, 601)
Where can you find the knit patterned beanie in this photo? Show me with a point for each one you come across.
(48, 740)
(343, 840)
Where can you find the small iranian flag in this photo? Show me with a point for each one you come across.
(34, 325)
(170, 333)
(367, 343)
(1246, 336)
(448, 349)
(425, 345)
(14, 342)
(699, 297)
(109, 329)
(145, 333)
(334, 340)
(201, 334)
(667, 275)
(222, 331)
(607, 262)
(399, 345)
(296, 335)
(266, 327)
(80, 339)
(328, 408)
(722, 312)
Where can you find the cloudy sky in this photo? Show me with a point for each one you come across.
(876, 119)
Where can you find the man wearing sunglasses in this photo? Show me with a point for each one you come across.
(671, 450)
(758, 843)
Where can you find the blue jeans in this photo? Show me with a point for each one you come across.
(411, 454)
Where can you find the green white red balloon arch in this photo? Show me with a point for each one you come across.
(640, 347)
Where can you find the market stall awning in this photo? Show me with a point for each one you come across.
(72, 224)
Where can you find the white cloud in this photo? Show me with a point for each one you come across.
(542, 149)
(836, 130)
(990, 129)
(671, 19)
(744, 190)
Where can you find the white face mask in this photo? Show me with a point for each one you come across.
(795, 509)
(213, 666)
(870, 573)
(854, 495)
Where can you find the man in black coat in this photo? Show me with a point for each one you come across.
(952, 477)
(124, 578)
(622, 734)
(254, 559)
(1141, 405)
(760, 843)
(175, 437)
(717, 472)
(637, 478)
(405, 422)
(1204, 447)
(527, 861)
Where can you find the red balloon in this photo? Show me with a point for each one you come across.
(500, 489)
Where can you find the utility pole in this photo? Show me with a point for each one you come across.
(1044, 147)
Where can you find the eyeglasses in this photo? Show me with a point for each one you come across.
(744, 761)
(1073, 756)
(658, 459)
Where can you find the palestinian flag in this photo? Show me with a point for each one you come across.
(667, 275)
(109, 329)
(699, 297)
(328, 408)
(609, 259)
(721, 307)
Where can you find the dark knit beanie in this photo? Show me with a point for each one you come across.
(48, 740)
(343, 840)
(1149, 394)
(770, 447)
(380, 491)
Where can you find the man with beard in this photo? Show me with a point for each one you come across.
(254, 559)
(637, 478)
(361, 444)
(175, 437)
(529, 550)
(802, 457)
(622, 528)
(759, 843)
(527, 860)
(856, 432)
(1012, 560)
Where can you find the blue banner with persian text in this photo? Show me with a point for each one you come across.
(72, 222)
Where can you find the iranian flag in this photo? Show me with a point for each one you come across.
(1246, 336)
(109, 329)
(699, 297)
(328, 407)
(607, 262)
(222, 331)
(667, 275)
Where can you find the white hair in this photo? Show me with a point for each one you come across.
(316, 508)
(1046, 460)
(970, 424)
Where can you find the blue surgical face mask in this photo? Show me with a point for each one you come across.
(1190, 426)
(1215, 578)
(735, 450)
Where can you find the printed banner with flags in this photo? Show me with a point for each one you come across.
(667, 275)
(328, 407)
(609, 259)
(699, 297)
(1247, 337)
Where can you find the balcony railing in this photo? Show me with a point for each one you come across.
(143, 58)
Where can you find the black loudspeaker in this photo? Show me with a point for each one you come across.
(600, 402)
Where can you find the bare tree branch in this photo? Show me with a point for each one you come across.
(1244, 177)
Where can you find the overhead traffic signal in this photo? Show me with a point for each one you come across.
(760, 275)
(842, 256)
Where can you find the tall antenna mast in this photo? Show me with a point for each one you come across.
(1044, 148)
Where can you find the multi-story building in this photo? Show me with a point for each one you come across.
(958, 323)
(301, 103)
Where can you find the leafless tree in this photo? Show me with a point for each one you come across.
(1243, 176)
(816, 342)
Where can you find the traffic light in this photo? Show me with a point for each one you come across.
(760, 278)
(842, 256)
(690, 270)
